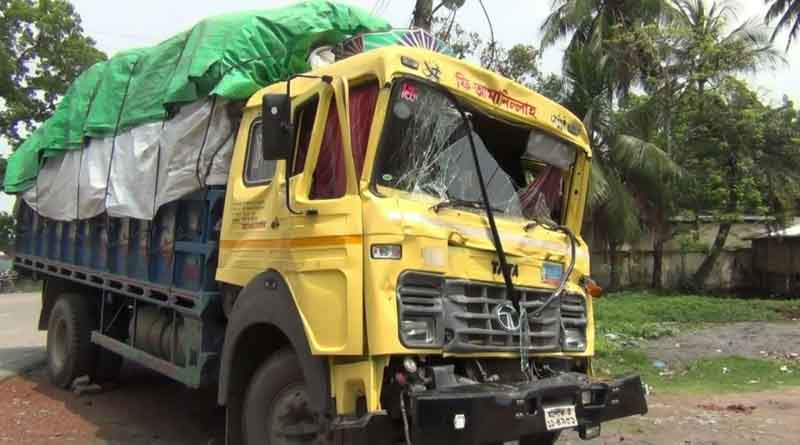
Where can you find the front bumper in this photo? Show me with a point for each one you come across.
(495, 412)
(499, 412)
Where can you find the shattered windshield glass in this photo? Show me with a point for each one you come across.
(426, 151)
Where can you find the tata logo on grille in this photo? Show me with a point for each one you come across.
(513, 269)
(507, 316)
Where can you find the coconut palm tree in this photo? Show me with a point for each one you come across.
(712, 54)
(788, 14)
(630, 175)
(710, 51)
(591, 23)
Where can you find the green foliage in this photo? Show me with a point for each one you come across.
(589, 23)
(630, 174)
(43, 50)
(463, 43)
(743, 157)
(7, 232)
(519, 63)
(708, 51)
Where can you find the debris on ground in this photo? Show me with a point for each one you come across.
(754, 340)
(83, 385)
(737, 408)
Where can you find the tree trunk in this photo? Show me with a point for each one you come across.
(614, 281)
(668, 130)
(658, 263)
(423, 14)
(704, 271)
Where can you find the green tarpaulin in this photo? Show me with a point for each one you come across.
(232, 56)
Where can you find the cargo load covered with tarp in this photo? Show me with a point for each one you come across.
(152, 124)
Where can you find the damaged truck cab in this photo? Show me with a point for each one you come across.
(401, 261)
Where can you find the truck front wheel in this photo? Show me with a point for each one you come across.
(276, 407)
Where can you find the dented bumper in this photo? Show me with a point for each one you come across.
(485, 413)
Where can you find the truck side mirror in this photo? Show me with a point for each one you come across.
(276, 139)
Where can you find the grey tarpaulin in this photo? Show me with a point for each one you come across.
(141, 169)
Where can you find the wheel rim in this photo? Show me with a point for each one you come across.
(291, 420)
(58, 352)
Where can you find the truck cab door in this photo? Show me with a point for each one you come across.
(323, 255)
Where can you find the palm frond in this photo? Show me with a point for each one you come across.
(598, 185)
(788, 11)
(620, 212)
(638, 158)
(757, 47)
(645, 167)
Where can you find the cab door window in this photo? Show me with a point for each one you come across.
(257, 170)
(330, 175)
(304, 126)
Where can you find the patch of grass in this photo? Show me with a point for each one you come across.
(713, 375)
(650, 315)
(624, 320)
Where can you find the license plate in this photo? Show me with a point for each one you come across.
(560, 417)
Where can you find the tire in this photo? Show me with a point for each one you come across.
(276, 393)
(70, 353)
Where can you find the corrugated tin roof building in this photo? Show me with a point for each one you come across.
(776, 260)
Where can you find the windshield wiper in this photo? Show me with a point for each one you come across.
(457, 202)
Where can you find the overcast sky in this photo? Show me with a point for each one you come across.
(117, 25)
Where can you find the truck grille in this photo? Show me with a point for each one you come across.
(464, 314)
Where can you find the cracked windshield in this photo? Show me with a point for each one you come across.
(426, 155)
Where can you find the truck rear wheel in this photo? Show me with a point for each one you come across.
(276, 407)
(70, 353)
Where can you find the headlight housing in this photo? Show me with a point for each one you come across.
(573, 340)
(418, 331)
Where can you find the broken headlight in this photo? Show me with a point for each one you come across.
(418, 331)
(573, 340)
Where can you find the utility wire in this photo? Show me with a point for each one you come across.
(493, 43)
(450, 26)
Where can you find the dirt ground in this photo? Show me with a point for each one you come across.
(150, 409)
(145, 409)
(758, 340)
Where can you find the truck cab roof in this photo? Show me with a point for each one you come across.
(493, 94)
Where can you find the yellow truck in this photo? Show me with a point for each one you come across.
(399, 261)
